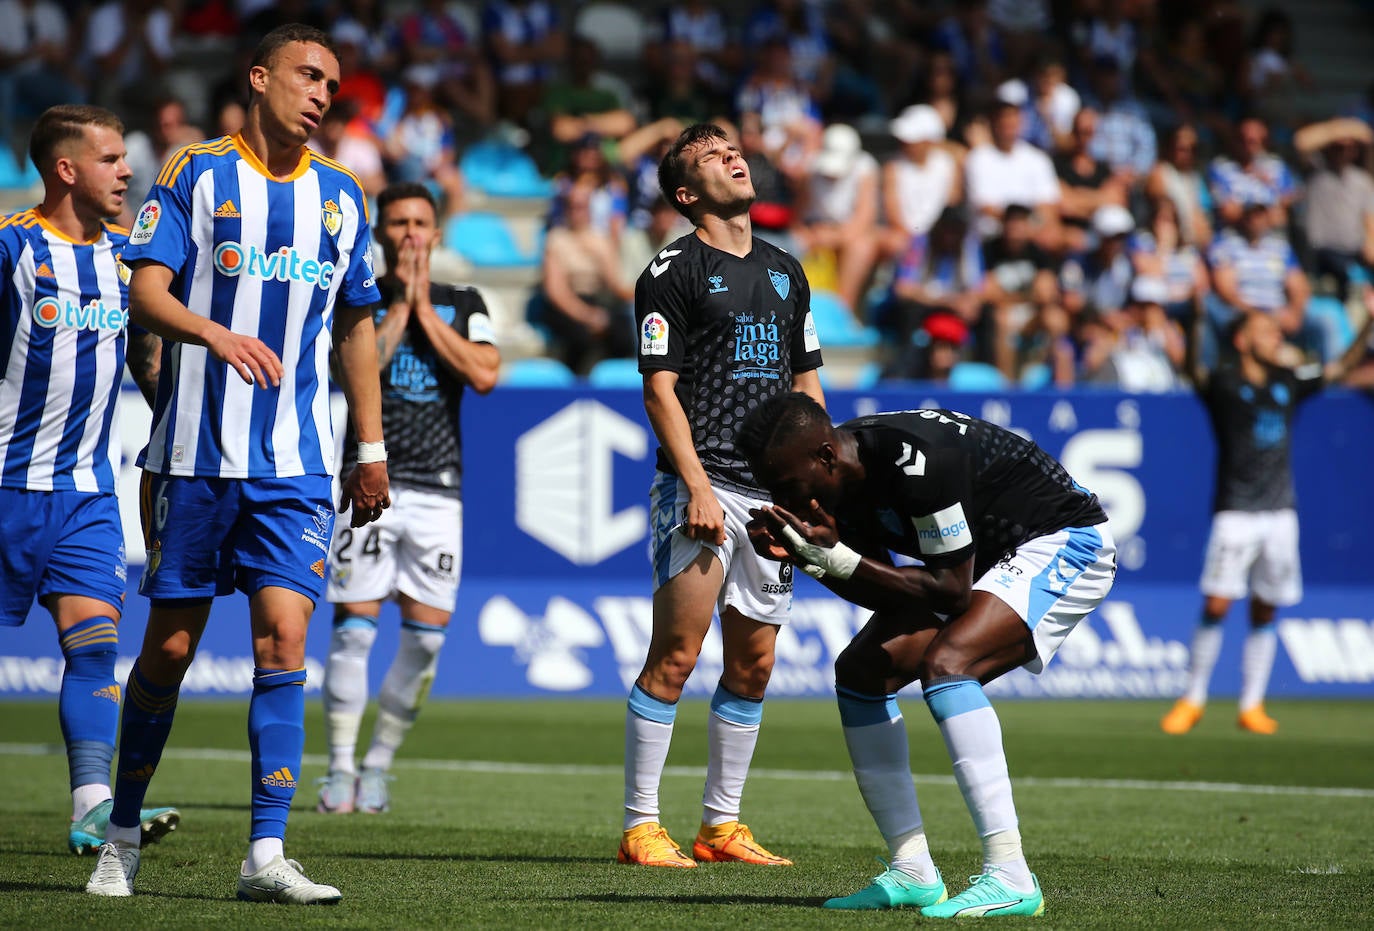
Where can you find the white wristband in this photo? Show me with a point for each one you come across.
(371, 452)
(838, 560)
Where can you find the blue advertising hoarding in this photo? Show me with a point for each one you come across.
(555, 595)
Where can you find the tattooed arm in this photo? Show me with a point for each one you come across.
(144, 358)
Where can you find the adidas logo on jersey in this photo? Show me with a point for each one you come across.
(282, 779)
(43, 271)
(227, 210)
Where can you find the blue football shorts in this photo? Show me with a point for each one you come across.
(209, 536)
(58, 543)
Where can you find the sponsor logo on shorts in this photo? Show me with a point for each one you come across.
(317, 532)
(282, 778)
(317, 567)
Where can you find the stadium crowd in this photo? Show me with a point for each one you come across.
(1051, 188)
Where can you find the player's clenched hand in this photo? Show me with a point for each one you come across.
(820, 531)
(247, 355)
(762, 539)
(368, 491)
(705, 520)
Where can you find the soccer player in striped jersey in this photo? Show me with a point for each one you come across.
(63, 336)
(249, 252)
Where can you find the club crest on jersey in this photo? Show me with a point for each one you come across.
(332, 217)
(781, 283)
(145, 223)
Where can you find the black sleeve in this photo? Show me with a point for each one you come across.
(806, 342)
(936, 494)
(661, 314)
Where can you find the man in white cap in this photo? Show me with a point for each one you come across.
(919, 183)
(1101, 280)
(1010, 170)
(839, 209)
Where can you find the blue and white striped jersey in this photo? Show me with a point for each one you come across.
(264, 258)
(63, 313)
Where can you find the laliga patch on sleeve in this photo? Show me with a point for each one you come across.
(653, 336)
(480, 329)
(811, 340)
(944, 531)
(145, 223)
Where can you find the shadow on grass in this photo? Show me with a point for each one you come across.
(616, 898)
(465, 857)
(21, 887)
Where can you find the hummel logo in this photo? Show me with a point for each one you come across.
(142, 774)
(43, 271)
(282, 778)
(916, 468)
(666, 256)
(317, 567)
(227, 210)
(110, 691)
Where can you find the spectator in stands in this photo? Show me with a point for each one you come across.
(1022, 26)
(431, 34)
(1274, 82)
(637, 157)
(524, 43)
(1085, 182)
(588, 299)
(938, 86)
(974, 43)
(699, 28)
(800, 26)
(1008, 170)
(577, 106)
(1159, 252)
(1255, 271)
(1021, 289)
(866, 47)
(1193, 84)
(776, 181)
(787, 115)
(838, 208)
(344, 137)
(1101, 280)
(1340, 200)
(1145, 350)
(168, 130)
(1048, 104)
(920, 181)
(1254, 176)
(1176, 178)
(360, 82)
(641, 243)
(941, 275)
(678, 91)
(128, 47)
(36, 69)
(421, 146)
(1107, 34)
(607, 194)
(1125, 140)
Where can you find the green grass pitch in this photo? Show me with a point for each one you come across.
(507, 815)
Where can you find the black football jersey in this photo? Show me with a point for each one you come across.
(940, 486)
(1254, 427)
(421, 398)
(735, 330)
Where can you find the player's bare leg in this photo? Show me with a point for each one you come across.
(682, 616)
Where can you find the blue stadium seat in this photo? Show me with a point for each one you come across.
(616, 373)
(869, 375)
(13, 175)
(1339, 321)
(836, 326)
(1036, 376)
(976, 376)
(537, 373)
(486, 241)
(499, 169)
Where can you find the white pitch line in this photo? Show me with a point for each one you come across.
(791, 775)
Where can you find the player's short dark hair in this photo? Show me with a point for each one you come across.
(777, 420)
(405, 190)
(282, 36)
(672, 170)
(66, 123)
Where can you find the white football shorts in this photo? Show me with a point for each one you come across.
(1254, 552)
(415, 548)
(1053, 582)
(756, 587)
